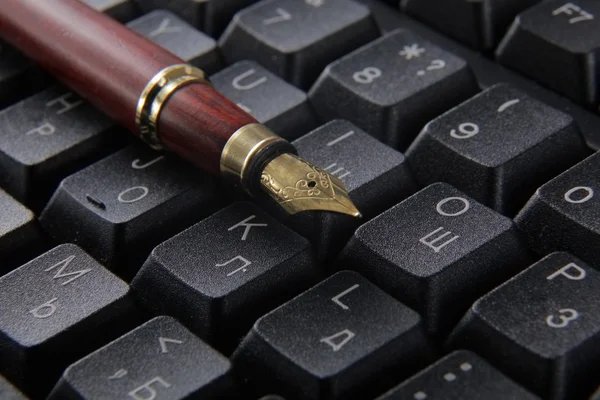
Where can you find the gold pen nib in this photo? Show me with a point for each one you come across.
(297, 186)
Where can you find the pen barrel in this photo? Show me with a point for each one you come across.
(110, 66)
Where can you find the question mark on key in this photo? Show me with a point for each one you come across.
(435, 64)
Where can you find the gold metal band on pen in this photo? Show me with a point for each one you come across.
(156, 93)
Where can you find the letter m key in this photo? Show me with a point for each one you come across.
(62, 273)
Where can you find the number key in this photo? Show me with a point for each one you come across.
(392, 86)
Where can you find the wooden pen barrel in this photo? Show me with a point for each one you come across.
(110, 65)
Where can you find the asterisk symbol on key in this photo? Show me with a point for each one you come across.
(412, 51)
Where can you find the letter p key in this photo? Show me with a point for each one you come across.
(570, 271)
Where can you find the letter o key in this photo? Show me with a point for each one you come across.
(133, 194)
(439, 208)
(569, 195)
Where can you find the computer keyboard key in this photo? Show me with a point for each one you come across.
(557, 43)
(461, 375)
(564, 214)
(542, 327)
(211, 16)
(376, 176)
(9, 392)
(181, 39)
(119, 208)
(158, 360)
(20, 237)
(122, 10)
(479, 24)
(19, 77)
(436, 252)
(48, 136)
(342, 339)
(220, 275)
(497, 147)
(393, 86)
(297, 39)
(55, 309)
(282, 107)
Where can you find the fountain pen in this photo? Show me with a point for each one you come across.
(169, 104)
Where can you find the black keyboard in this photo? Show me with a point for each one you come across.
(465, 132)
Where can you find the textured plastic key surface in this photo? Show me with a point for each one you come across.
(50, 311)
(564, 214)
(484, 145)
(297, 39)
(436, 251)
(9, 392)
(542, 327)
(220, 275)
(119, 208)
(181, 39)
(123, 10)
(393, 86)
(341, 339)
(48, 136)
(461, 375)
(280, 106)
(479, 24)
(558, 44)
(160, 359)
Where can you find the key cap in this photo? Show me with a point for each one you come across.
(297, 39)
(344, 338)
(497, 147)
(20, 237)
(479, 24)
(9, 392)
(436, 252)
(272, 101)
(181, 39)
(47, 137)
(19, 77)
(376, 176)
(122, 10)
(119, 208)
(564, 214)
(244, 264)
(50, 313)
(211, 16)
(542, 327)
(160, 359)
(392, 86)
(461, 375)
(557, 43)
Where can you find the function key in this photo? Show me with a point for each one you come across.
(461, 375)
(497, 147)
(542, 327)
(343, 338)
(393, 86)
(296, 39)
(159, 360)
(557, 43)
(272, 101)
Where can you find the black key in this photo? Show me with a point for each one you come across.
(342, 339)
(211, 16)
(272, 101)
(181, 39)
(460, 375)
(297, 39)
(119, 208)
(50, 313)
(564, 214)
(9, 392)
(480, 24)
(244, 264)
(542, 327)
(20, 237)
(159, 360)
(376, 176)
(19, 77)
(47, 137)
(122, 10)
(557, 43)
(392, 86)
(497, 147)
(437, 251)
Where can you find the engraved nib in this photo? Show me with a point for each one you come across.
(297, 186)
